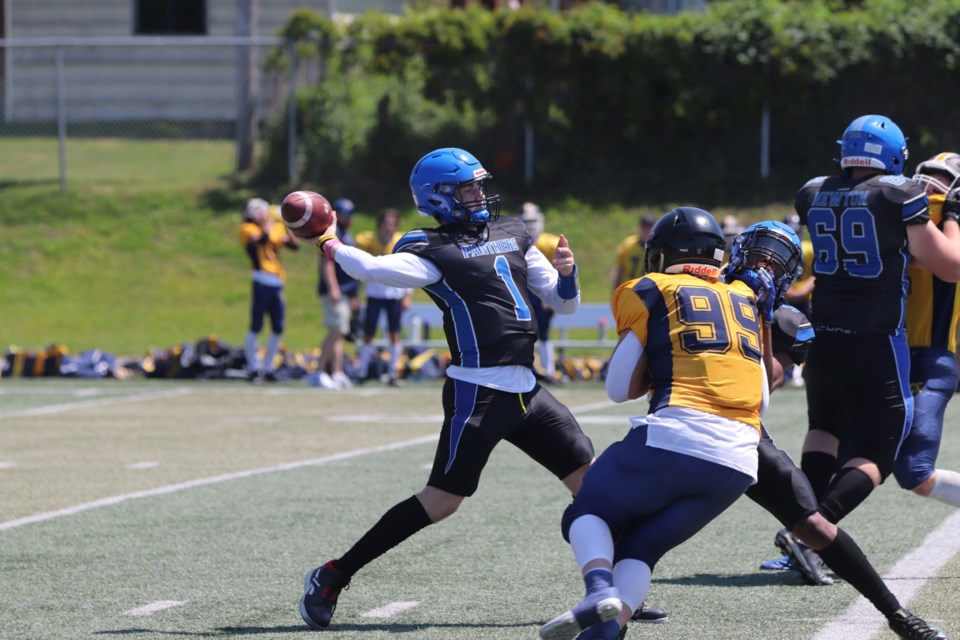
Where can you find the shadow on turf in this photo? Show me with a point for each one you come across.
(758, 579)
(300, 628)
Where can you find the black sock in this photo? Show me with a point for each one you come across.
(819, 468)
(847, 560)
(396, 525)
(848, 489)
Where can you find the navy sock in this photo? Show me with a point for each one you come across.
(848, 561)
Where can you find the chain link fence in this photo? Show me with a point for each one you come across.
(68, 101)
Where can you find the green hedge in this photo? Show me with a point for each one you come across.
(623, 106)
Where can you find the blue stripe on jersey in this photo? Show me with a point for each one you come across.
(901, 355)
(659, 349)
(465, 336)
(805, 333)
(412, 237)
(464, 401)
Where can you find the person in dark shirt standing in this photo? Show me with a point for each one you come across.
(477, 268)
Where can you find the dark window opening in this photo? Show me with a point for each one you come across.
(171, 17)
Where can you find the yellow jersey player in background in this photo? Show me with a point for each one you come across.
(630, 252)
(262, 235)
(933, 308)
(695, 342)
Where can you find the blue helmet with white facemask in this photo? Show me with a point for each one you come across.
(437, 183)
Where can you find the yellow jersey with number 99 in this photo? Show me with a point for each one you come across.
(702, 341)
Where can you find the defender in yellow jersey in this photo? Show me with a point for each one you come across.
(933, 308)
(262, 237)
(696, 342)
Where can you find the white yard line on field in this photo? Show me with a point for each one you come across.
(202, 482)
(862, 620)
(83, 404)
(389, 610)
(153, 607)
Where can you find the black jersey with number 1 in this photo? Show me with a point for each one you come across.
(487, 316)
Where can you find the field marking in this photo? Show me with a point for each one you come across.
(202, 482)
(153, 607)
(146, 464)
(83, 404)
(389, 610)
(862, 620)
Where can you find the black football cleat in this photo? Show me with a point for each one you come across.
(649, 613)
(907, 625)
(320, 592)
(805, 560)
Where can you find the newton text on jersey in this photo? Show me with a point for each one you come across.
(840, 199)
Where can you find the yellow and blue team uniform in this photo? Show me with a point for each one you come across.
(268, 274)
(630, 257)
(547, 244)
(694, 453)
(933, 308)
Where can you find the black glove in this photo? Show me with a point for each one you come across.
(951, 206)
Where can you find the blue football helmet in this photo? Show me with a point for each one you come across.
(437, 181)
(685, 240)
(873, 142)
(770, 245)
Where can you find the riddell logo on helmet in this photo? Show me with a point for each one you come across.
(479, 172)
(858, 162)
(700, 269)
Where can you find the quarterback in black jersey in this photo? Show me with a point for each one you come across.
(478, 269)
(865, 224)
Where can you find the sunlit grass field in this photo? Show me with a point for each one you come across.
(156, 510)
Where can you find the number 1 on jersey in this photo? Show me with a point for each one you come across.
(519, 306)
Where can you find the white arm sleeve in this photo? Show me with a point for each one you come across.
(620, 370)
(765, 400)
(394, 270)
(542, 279)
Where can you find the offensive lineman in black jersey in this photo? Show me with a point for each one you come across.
(478, 269)
(781, 487)
(864, 224)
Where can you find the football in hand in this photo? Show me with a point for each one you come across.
(306, 214)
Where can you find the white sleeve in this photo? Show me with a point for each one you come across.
(543, 279)
(620, 370)
(765, 400)
(395, 269)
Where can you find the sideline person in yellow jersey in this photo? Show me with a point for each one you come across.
(262, 237)
(392, 301)
(695, 343)
(534, 220)
(933, 308)
(630, 252)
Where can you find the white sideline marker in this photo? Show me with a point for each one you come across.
(7, 465)
(153, 607)
(389, 610)
(907, 577)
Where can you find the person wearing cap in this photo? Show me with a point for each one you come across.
(339, 293)
(262, 238)
(631, 252)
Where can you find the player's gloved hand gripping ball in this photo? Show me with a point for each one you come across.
(761, 282)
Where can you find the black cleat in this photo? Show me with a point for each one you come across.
(320, 592)
(804, 559)
(649, 613)
(907, 625)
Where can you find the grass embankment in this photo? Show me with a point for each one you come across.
(142, 250)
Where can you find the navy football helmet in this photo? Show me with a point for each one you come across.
(873, 142)
(438, 182)
(773, 246)
(945, 166)
(685, 240)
